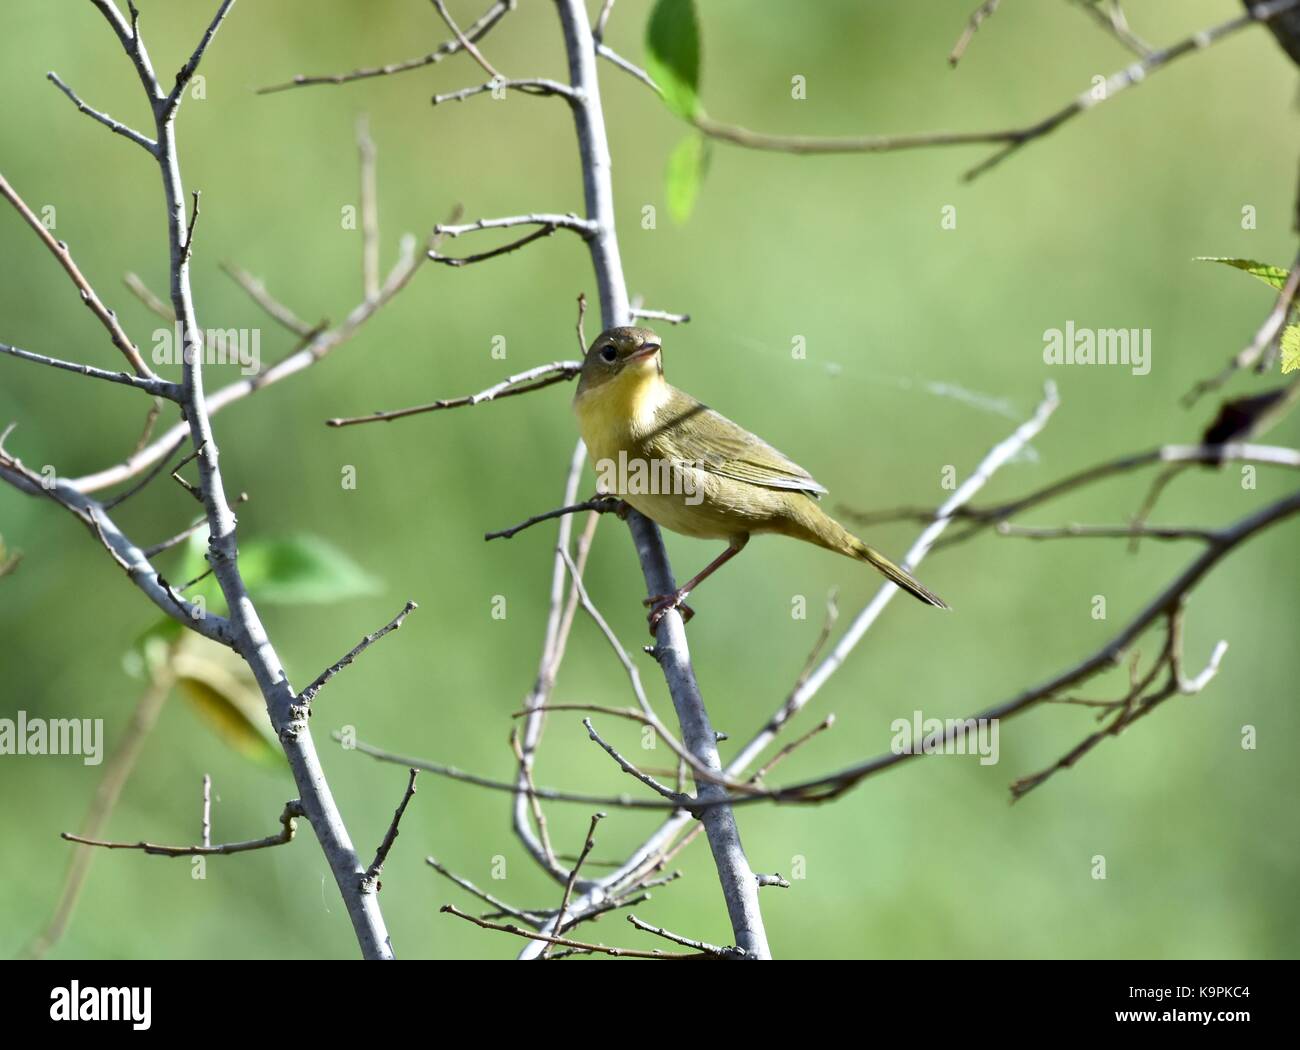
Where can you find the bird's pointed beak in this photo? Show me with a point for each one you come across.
(645, 351)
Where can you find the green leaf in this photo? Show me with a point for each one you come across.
(687, 165)
(302, 569)
(1274, 276)
(673, 55)
(227, 698)
(1290, 348)
(292, 569)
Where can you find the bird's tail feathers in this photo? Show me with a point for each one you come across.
(816, 526)
(894, 574)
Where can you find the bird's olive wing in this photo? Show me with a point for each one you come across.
(688, 431)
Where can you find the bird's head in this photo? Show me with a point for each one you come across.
(627, 357)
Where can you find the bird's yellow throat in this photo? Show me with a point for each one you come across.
(611, 413)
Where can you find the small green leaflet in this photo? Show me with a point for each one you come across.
(1290, 348)
(673, 55)
(302, 569)
(687, 164)
(290, 570)
(1274, 276)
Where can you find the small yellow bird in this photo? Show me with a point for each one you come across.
(694, 471)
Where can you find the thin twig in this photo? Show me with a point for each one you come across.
(309, 694)
(589, 843)
(522, 383)
(288, 826)
(528, 86)
(206, 820)
(581, 325)
(150, 421)
(60, 251)
(630, 713)
(191, 66)
(610, 55)
(465, 41)
(602, 949)
(828, 625)
(1110, 16)
(370, 880)
(113, 125)
(602, 21)
(1148, 504)
(505, 249)
(141, 291)
(156, 387)
(790, 748)
(660, 315)
(188, 246)
(475, 32)
(256, 290)
(566, 221)
(1074, 531)
(687, 942)
(177, 539)
(369, 211)
(126, 494)
(627, 767)
(985, 10)
(469, 887)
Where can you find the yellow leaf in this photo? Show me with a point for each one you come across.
(229, 702)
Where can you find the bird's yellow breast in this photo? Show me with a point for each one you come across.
(615, 419)
(613, 414)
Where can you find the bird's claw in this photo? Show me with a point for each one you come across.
(660, 604)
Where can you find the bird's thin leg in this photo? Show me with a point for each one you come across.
(661, 603)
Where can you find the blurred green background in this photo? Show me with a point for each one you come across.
(924, 347)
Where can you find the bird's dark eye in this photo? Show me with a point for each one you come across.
(608, 354)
